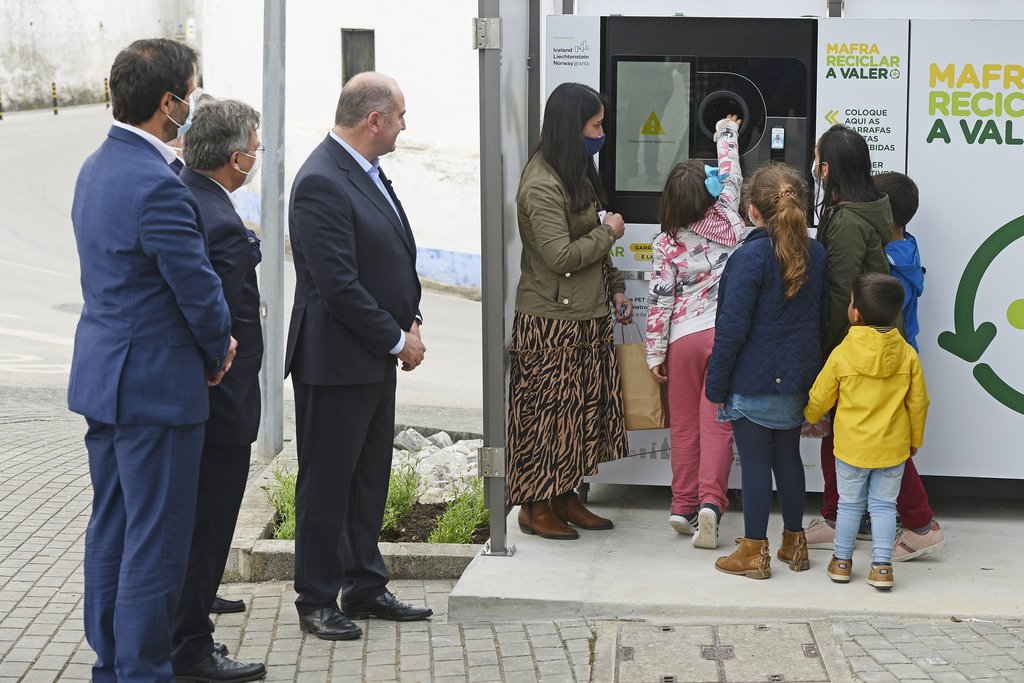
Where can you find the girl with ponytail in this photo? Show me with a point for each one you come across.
(772, 310)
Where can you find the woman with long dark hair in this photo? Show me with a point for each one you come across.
(565, 409)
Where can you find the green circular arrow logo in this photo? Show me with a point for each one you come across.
(969, 342)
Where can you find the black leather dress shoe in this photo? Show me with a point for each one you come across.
(221, 648)
(328, 623)
(385, 606)
(217, 667)
(224, 606)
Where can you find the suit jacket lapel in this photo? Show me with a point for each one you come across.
(358, 177)
(411, 242)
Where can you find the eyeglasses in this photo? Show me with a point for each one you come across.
(258, 151)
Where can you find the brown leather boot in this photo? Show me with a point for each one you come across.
(569, 508)
(751, 560)
(794, 550)
(537, 518)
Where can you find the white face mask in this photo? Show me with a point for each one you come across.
(258, 160)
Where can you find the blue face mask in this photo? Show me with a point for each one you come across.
(183, 127)
(593, 145)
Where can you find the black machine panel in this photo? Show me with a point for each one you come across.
(672, 78)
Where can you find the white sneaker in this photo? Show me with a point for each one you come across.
(685, 525)
(707, 529)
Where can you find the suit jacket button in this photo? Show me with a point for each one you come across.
(568, 274)
(565, 301)
(778, 380)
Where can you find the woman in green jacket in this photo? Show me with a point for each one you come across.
(565, 407)
(856, 224)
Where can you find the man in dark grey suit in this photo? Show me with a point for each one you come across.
(222, 152)
(356, 314)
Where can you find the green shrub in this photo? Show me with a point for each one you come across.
(402, 494)
(282, 497)
(463, 516)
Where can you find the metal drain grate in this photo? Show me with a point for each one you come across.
(723, 653)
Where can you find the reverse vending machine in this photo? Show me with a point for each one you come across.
(671, 79)
(939, 99)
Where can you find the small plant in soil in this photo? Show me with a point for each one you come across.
(463, 520)
(464, 515)
(402, 494)
(282, 497)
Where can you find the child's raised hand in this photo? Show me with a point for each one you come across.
(731, 118)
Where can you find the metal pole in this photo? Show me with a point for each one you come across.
(53, 92)
(492, 249)
(270, 440)
(534, 63)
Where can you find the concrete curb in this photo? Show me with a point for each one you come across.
(254, 556)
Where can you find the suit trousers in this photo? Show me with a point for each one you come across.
(344, 436)
(136, 545)
(223, 472)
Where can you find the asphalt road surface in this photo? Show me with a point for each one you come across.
(40, 297)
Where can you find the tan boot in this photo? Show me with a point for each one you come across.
(537, 518)
(794, 550)
(569, 508)
(751, 560)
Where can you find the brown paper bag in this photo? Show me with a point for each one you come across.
(642, 399)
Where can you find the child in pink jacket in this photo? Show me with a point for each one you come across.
(700, 228)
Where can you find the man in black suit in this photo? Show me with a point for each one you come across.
(356, 314)
(222, 152)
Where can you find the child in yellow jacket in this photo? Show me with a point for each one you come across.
(875, 377)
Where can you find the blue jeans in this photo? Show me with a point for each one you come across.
(878, 489)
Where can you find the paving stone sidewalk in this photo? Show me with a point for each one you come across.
(44, 508)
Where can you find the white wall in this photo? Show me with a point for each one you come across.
(71, 43)
(425, 46)
(936, 9)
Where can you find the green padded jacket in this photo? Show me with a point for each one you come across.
(563, 266)
(854, 235)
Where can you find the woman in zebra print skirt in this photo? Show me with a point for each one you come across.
(565, 407)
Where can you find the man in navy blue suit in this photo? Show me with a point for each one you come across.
(356, 314)
(222, 152)
(154, 333)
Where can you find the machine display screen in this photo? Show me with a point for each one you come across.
(652, 126)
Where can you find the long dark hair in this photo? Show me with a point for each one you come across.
(568, 109)
(849, 168)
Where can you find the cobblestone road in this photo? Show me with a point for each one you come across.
(44, 507)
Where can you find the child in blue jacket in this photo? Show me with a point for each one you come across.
(772, 310)
(904, 257)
